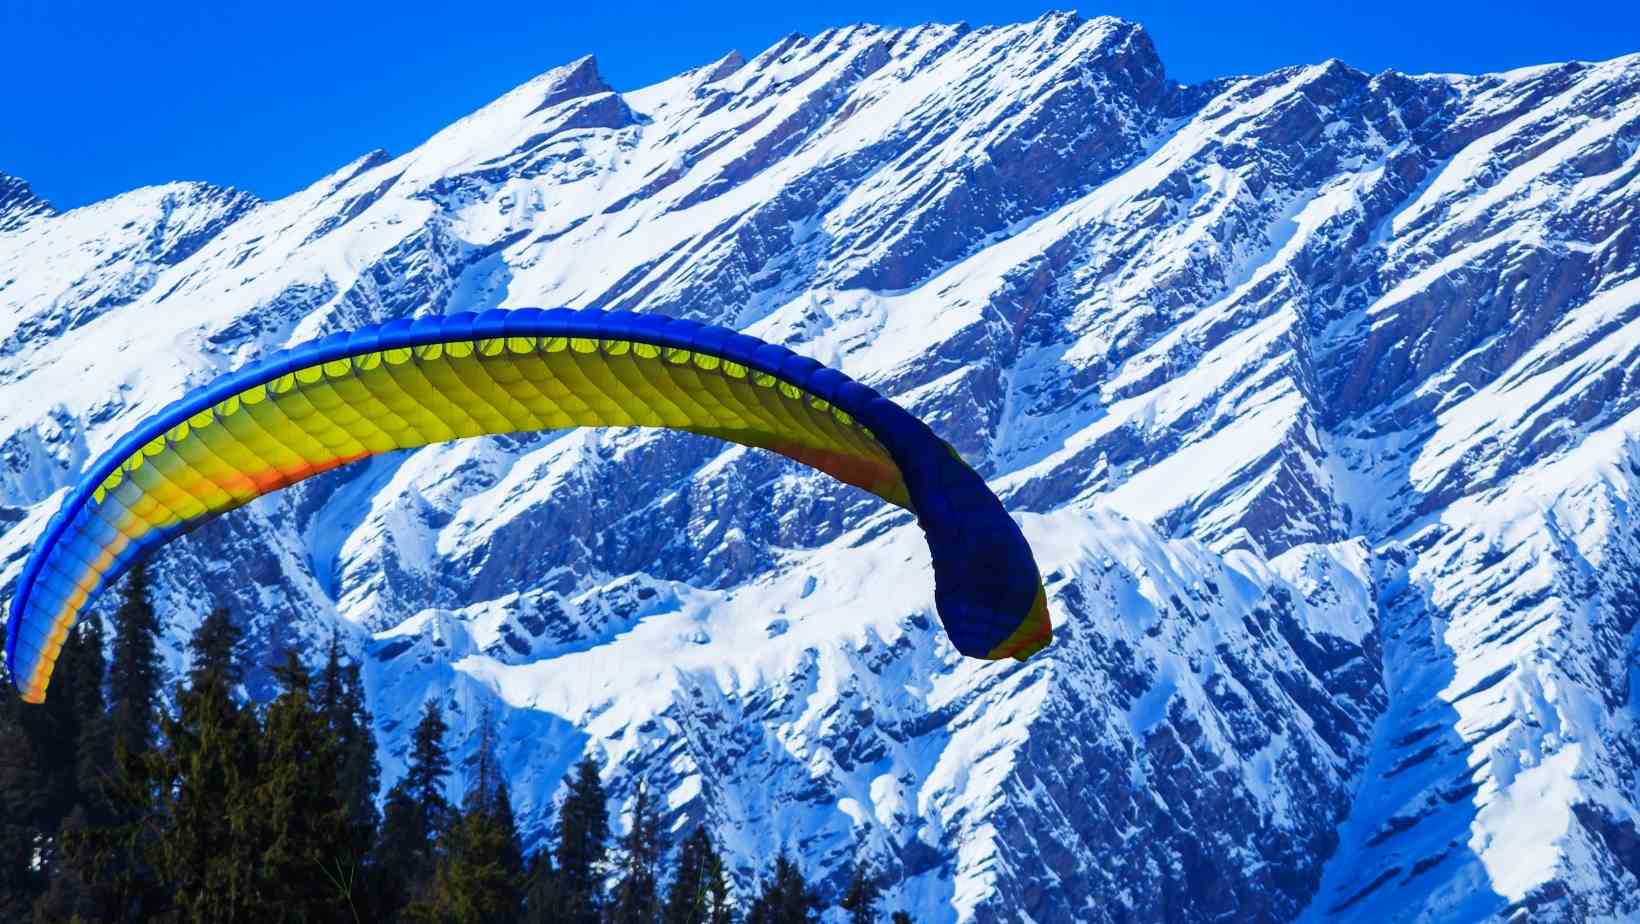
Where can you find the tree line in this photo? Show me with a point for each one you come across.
(116, 807)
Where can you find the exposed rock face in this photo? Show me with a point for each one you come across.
(18, 203)
(1316, 392)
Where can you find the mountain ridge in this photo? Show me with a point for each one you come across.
(1313, 391)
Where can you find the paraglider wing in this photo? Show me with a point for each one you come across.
(404, 384)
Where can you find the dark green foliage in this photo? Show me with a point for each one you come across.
(786, 897)
(68, 744)
(79, 758)
(81, 681)
(295, 818)
(637, 894)
(511, 856)
(68, 896)
(861, 895)
(204, 777)
(114, 859)
(402, 853)
(211, 653)
(232, 819)
(541, 903)
(700, 891)
(479, 878)
(486, 785)
(429, 768)
(900, 917)
(583, 836)
(134, 671)
(94, 744)
(58, 725)
(113, 854)
(339, 692)
(480, 869)
(21, 791)
(415, 816)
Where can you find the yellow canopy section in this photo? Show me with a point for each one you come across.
(332, 413)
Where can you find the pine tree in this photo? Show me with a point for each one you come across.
(97, 861)
(583, 835)
(506, 822)
(134, 672)
(110, 846)
(68, 896)
(22, 788)
(211, 658)
(114, 852)
(863, 892)
(686, 898)
(786, 897)
(94, 744)
(339, 691)
(69, 738)
(207, 771)
(429, 767)
(637, 894)
(699, 892)
(295, 817)
(401, 853)
(541, 902)
(486, 782)
(720, 906)
(480, 872)
(56, 726)
(416, 814)
(479, 878)
(115, 858)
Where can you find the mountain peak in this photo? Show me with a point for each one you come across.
(1060, 18)
(1065, 23)
(18, 203)
(723, 67)
(572, 81)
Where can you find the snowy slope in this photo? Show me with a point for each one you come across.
(1315, 391)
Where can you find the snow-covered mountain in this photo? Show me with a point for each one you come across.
(1317, 393)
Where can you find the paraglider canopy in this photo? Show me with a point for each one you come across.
(349, 396)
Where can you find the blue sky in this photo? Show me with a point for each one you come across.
(100, 97)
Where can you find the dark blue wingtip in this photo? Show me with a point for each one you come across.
(987, 587)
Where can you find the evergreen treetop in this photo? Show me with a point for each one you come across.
(134, 670)
(700, 891)
(211, 652)
(786, 897)
(863, 892)
(429, 767)
(479, 876)
(637, 894)
(296, 814)
(415, 818)
(203, 777)
(340, 696)
(583, 835)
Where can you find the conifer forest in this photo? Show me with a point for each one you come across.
(133, 796)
